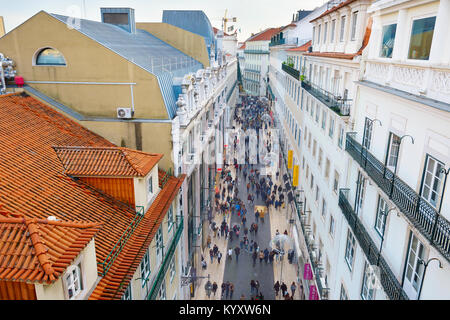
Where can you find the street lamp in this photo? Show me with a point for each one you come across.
(385, 214)
(421, 261)
(396, 160)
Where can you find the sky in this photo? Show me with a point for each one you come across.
(252, 15)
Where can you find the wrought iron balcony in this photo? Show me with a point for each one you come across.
(251, 70)
(291, 71)
(278, 42)
(387, 279)
(336, 103)
(257, 51)
(167, 258)
(419, 212)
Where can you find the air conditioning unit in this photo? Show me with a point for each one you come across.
(124, 113)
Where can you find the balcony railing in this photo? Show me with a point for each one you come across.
(387, 279)
(291, 71)
(336, 103)
(165, 264)
(323, 292)
(419, 212)
(257, 51)
(251, 70)
(277, 43)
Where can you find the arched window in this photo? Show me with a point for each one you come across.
(50, 57)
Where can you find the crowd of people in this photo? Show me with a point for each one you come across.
(243, 237)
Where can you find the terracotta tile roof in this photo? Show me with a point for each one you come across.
(340, 5)
(31, 183)
(292, 25)
(114, 284)
(39, 250)
(302, 48)
(265, 35)
(242, 47)
(337, 55)
(106, 161)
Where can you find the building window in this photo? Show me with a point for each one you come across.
(393, 150)
(333, 30)
(317, 113)
(327, 168)
(162, 291)
(313, 35)
(172, 269)
(325, 29)
(341, 38)
(312, 182)
(73, 280)
(314, 148)
(50, 57)
(341, 136)
(354, 21)
(360, 192)
(350, 249)
(367, 290)
(159, 244)
(382, 210)
(331, 130)
(414, 269)
(344, 295)
(324, 208)
(336, 182)
(317, 193)
(387, 40)
(127, 294)
(331, 230)
(145, 268)
(320, 158)
(324, 119)
(421, 37)
(432, 180)
(170, 219)
(318, 34)
(367, 133)
(150, 184)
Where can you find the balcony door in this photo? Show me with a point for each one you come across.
(159, 246)
(367, 139)
(432, 181)
(414, 270)
(392, 151)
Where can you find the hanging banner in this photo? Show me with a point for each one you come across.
(307, 273)
(290, 159)
(295, 176)
(313, 294)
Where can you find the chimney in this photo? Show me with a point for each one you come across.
(121, 17)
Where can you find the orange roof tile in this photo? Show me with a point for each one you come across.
(337, 55)
(264, 35)
(242, 47)
(31, 183)
(39, 250)
(106, 161)
(302, 48)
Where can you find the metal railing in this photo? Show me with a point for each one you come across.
(387, 279)
(117, 249)
(418, 211)
(165, 264)
(291, 71)
(165, 178)
(323, 292)
(257, 51)
(336, 103)
(278, 42)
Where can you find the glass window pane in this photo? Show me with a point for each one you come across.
(387, 40)
(50, 57)
(421, 37)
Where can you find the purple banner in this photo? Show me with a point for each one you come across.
(313, 294)
(307, 274)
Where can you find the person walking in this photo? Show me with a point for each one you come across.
(271, 254)
(266, 255)
(214, 288)
(208, 288)
(208, 241)
(257, 286)
(237, 251)
(244, 221)
(252, 287)
(227, 289)
(257, 216)
(231, 290)
(211, 255)
(283, 288)
(254, 256)
(219, 256)
(256, 229)
(293, 287)
(261, 256)
(230, 254)
(222, 293)
(276, 287)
